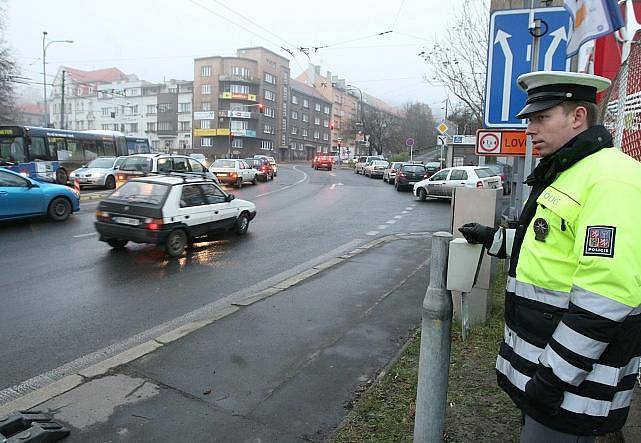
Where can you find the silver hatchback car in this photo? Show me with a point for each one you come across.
(100, 171)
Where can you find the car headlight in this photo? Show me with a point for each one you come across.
(72, 175)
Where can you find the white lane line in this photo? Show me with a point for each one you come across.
(371, 233)
(391, 222)
(382, 227)
(409, 208)
(333, 186)
(398, 217)
(286, 187)
(405, 212)
(90, 234)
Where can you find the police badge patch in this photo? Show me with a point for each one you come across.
(599, 241)
(541, 229)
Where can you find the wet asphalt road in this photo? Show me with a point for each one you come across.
(65, 294)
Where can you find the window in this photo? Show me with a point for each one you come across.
(294, 115)
(305, 103)
(237, 143)
(164, 164)
(151, 126)
(325, 136)
(205, 124)
(133, 109)
(269, 112)
(305, 117)
(237, 107)
(294, 130)
(205, 89)
(458, 174)
(191, 196)
(270, 78)
(266, 145)
(105, 112)
(325, 123)
(442, 175)
(268, 129)
(294, 99)
(239, 125)
(105, 127)
(317, 121)
(205, 71)
(212, 194)
(184, 107)
(165, 126)
(151, 109)
(164, 107)
(133, 127)
(269, 95)
(316, 135)
(206, 142)
(240, 71)
(185, 126)
(205, 106)
(317, 107)
(239, 89)
(180, 164)
(304, 132)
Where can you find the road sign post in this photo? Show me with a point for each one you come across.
(409, 142)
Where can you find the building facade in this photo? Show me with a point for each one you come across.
(241, 104)
(309, 122)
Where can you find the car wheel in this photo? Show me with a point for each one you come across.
(330, 168)
(422, 194)
(239, 183)
(61, 177)
(242, 224)
(59, 209)
(117, 243)
(255, 180)
(176, 243)
(110, 182)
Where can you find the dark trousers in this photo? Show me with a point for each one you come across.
(535, 432)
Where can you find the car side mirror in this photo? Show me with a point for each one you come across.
(32, 184)
(116, 168)
(229, 197)
(83, 166)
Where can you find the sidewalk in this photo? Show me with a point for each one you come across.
(282, 369)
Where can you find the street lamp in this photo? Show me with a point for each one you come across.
(361, 120)
(44, 71)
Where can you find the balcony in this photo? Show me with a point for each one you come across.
(237, 96)
(238, 78)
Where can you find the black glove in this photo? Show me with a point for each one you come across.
(476, 234)
(543, 394)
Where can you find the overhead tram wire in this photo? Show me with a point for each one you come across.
(398, 13)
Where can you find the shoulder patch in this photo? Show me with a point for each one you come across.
(599, 241)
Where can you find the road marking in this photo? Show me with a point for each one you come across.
(305, 176)
(371, 233)
(405, 212)
(398, 217)
(410, 208)
(391, 222)
(335, 184)
(90, 234)
(382, 227)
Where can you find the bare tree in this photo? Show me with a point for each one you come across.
(418, 123)
(382, 128)
(458, 60)
(7, 71)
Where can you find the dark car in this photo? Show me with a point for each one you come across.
(408, 174)
(323, 161)
(432, 167)
(505, 172)
(262, 165)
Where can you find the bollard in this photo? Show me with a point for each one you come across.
(436, 341)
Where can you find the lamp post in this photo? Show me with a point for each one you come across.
(361, 115)
(44, 71)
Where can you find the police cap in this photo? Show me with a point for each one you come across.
(546, 89)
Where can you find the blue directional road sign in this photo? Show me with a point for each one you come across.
(509, 55)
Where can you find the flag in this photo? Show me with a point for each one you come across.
(591, 19)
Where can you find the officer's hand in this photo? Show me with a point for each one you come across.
(478, 234)
(544, 395)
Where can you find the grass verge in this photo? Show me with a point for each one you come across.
(477, 409)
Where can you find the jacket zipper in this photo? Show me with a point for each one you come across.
(562, 225)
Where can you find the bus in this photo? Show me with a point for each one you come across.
(138, 145)
(51, 154)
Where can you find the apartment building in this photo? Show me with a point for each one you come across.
(108, 99)
(309, 122)
(241, 104)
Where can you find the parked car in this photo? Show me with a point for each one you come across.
(443, 183)
(432, 167)
(272, 162)
(141, 165)
(234, 172)
(99, 172)
(362, 161)
(24, 197)
(170, 211)
(375, 168)
(408, 174)
(505, 172)
(389, 174)
(262, 165)
(201, 158)
(322, 161)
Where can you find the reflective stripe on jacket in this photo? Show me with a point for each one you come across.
(573, 305)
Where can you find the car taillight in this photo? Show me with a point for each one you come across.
(263, 169)
(479, 184)
(122, 178)
(233, 174)
(154, 224)
(400, 174)
(103, 216)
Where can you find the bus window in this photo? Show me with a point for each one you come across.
(108, 149)
(11, 150)
(91, 149)
(38, 149)
(74, 148)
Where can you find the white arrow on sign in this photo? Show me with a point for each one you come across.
(501, 38)
(557, 35)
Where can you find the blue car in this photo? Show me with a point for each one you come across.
(22, 197)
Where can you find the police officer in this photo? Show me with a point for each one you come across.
(572, 337)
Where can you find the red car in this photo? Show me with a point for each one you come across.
(324, 161)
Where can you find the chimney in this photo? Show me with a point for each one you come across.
(329, 76)
(317, 69)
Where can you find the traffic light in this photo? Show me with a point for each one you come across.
(261, 108)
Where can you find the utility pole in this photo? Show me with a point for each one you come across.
(62, 103)
(44, 77)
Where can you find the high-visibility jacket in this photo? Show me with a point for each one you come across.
(572, 304)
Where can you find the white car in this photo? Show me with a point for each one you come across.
(170, 211)
(375, 169)
(234, 172)
(100, 171)
(443, 183)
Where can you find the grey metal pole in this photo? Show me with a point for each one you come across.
(436, 342)
(44, 79)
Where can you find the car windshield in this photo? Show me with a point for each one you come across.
(141, 192)
(141, 164)
(414, 168)
(484, 172)
(102, 162)
(224, 164)
(379, 163)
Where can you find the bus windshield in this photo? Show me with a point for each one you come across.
(12, 150)
(102, 162)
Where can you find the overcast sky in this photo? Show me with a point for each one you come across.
(159, 39)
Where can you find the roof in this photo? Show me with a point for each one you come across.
(33, 108)
(306, 89)
(106, 75)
